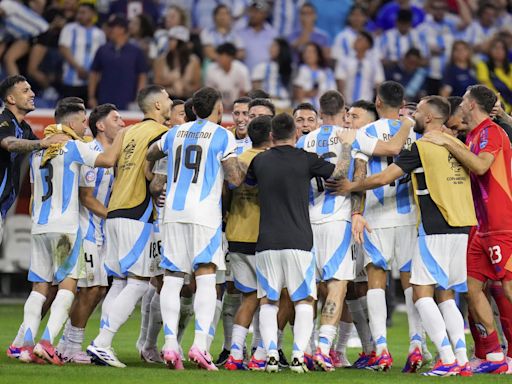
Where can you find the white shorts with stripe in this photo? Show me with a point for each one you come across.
(243, 271)
(186, 246)
(382, 246)
(93, 258)
(128, 248)
(332, 242)
(55, 257)
(440, 260)
(293, 269)
(358, 256)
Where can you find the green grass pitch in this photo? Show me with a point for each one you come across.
(14, 372)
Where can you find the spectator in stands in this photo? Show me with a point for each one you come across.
(459, 73)
(482, 29)
(314, 76)
(496, 71)
(503, 17)
(397, 41)
(178, 69)
(411, 74)
(228, 75)
(21, 24)
(387, 15)
(257, 37)
(141, 32)
(274, 76)
(285, 16)
(174, 17)
(359, 76)
(332, 14)
(307, 32)
(78, 43)
(222, 32)
(132, 8)
(119, 68)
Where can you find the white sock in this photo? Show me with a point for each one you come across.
(114, 291)
(32, 316)
(377, 314)
(434, 325)
(413, 317)
(256, 335)
(326, 337)
(238, 337)
(268, 328)
(186, 313)
(64, 339)
(204, 309)
(59, 313)
(303, 327)
(344, 332)
(145, 306)
(230, 306)
(155, 323)
(18, 340)
(455, 329)
(75, 339)
(360, 317)
(280, 337)
(215, 322)
(170, 308)
(120, 310)
(368, 343)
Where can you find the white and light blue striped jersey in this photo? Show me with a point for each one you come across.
(391, 205)
(285, 16)
(343, 45)
(243, 144)
(360, 77)
(393, 45)
(476, 33)
(83, 43)
(309, 79)
(20, 21)
(101, 179)
(55, 205)
(195, 176)
(268, 74)
(324, 206)
(211, 36)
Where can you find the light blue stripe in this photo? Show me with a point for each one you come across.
(332, 266)
(374, 253)
(68, 183)
(168, 331)
(431, 264)
(66, 268)
(70, 75)
(243, 288)
(325, 132)
(270, 292)
(88, 48)
(206, 255)
(138, 249)
(305, 289)
(46, 205)
(35, 278)
(356, 92)
(4, 180)
(217, 146)
(147, 213)
(169, 265)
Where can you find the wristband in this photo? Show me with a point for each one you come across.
(355, 213)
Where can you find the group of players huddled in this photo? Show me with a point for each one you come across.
(309, 212)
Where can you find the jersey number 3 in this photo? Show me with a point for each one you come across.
(193, 156)
(48, 175)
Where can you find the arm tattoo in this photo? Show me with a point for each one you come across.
(154, 153)
(343, 165)
(357, 198)
(156, 186)
(234, 171)
(12, 144)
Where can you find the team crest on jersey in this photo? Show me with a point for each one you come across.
(484, 138)
(90, 176)
(395, 123)
(129, 149)
(454, 163)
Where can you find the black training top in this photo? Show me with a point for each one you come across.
(432, 219)
(10, 163)
(283, 176)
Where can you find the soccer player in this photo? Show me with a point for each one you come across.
(94, 191)
(240, 116)
(178, 114)
(392, 217)
(129, 223)
(489, 160)
(242, 234)
(261, 107)
(56, 236)
(284, 257)
(443, 196)
(201, 155)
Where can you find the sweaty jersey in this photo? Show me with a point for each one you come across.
(492, 192)
(55, 204)
(195, 176)
(101, 180)
(391, 205)
(323, 205)
(131, 198)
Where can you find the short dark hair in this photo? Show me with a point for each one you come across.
(413, 52)
(404, 16)
(177, 102)
(305, 106)
(242, 100)
(259, 129)
(189, 111)
(218, 8)
(455, 102)
(368, 106)
(264, 103)
(367, 36)
(484, 97)
(226, 49)
(441, 104)
(65, 110)
(204, 101)
(258, 94)
(7, 84)
(391, 93)
(283, 127)
(331, 103)
(99, 112)
(145, 92)
(70, 100)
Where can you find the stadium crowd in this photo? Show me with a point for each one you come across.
(291, 217)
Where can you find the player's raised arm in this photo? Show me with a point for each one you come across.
(109, 157)
(234, 171)
(396, 143)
